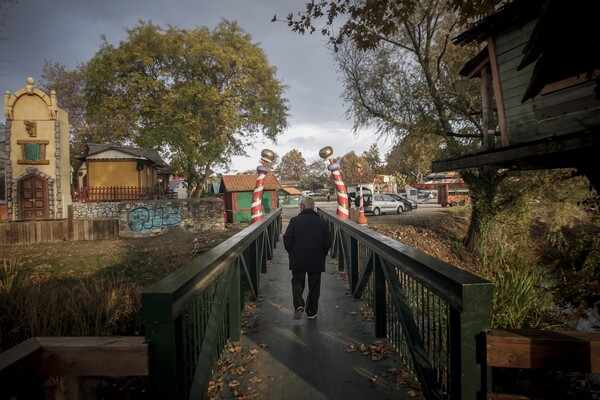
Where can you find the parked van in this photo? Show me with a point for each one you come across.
(381, 204)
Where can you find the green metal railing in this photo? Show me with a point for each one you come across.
(190, 315)
(432, 312)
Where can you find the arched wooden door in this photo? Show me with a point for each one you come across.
(33, 198)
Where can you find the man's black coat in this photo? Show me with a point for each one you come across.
(307, 241)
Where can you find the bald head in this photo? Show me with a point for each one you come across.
(308, 203)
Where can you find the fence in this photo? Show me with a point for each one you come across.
(48, 231)
(431, 311)
(190, 315)
(119, 193)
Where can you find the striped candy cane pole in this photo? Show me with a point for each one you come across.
(267, 157)
(342, 195)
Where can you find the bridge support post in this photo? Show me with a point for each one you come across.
(379, 304)
(352, 269)
(235, 303)
(468, 375)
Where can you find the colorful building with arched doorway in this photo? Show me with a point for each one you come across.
(37, 166)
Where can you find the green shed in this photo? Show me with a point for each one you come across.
(237, 190)
(289, 196)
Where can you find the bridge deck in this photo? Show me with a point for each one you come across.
(314, 359)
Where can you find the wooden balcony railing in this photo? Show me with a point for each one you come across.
(118, 193)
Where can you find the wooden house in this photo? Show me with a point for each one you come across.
(540, 76)
(114, 173)
(37, 169)
(237, 190)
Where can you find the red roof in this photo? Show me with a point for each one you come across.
(246, 183)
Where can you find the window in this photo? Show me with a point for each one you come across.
(33, 152)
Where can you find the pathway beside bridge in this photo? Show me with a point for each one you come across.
(315, 359)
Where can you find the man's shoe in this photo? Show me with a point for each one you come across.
(298, 313)
(311, 316)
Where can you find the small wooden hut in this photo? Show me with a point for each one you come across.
(237, 190)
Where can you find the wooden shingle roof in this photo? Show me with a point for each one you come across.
(246, 183)
(292, 191)
(149, 154)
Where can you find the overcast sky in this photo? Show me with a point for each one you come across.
(69, 31)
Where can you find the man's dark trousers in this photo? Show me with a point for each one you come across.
(314, 290)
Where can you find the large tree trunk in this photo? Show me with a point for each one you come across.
(483, 185)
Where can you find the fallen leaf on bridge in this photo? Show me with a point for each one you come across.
(373, 380)
(239, 370)
(378, 350)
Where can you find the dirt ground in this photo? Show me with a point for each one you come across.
(431, 229)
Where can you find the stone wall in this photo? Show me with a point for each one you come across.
(144, 218)
(96, 210)
(152, 217)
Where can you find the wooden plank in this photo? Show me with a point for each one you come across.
(30, 226)
(48, 228)
(516, 36)
(521, 154)
(19, 362)
(94, 356)
(537, 349)
(64, 230)
(76, 229)
(102, 230)
(115, 229)
(48, 231)
(57, 231)
(89, 232)
(487, 109)
(81, 230)
(503, 396)
(24, 232)
(40, 234)
(497, 84)
(70, 220)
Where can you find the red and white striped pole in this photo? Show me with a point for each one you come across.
(326, 153)
(267, 156)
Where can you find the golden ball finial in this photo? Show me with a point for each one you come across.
(267, 155)
(30, 81)
(326, 152)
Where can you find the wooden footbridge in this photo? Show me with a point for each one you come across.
(436, 316)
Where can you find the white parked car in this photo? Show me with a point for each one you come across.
(381, 204)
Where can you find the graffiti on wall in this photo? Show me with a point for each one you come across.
(147, 218)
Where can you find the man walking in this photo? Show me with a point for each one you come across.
(307, 241)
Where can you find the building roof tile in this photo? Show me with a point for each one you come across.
(246, 183)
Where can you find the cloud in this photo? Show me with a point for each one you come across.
(69, 31)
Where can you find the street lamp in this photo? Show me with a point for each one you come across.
(361, 220)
